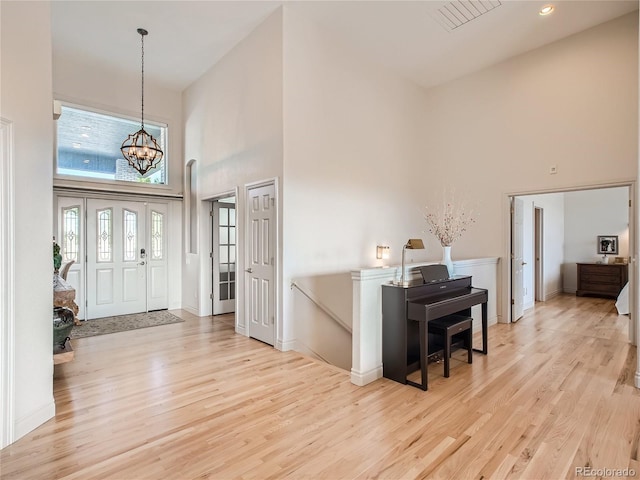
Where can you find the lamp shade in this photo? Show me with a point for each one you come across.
(412, 244)
(415, 244)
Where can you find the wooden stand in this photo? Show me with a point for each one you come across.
(63, 355)
(601, 279)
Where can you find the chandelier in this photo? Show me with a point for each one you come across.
(140, 149)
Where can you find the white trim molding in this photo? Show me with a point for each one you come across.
(7, 269)
(35, 419)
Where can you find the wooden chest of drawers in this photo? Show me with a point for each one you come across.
(601, 279)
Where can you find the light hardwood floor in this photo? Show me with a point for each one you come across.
(195, 400)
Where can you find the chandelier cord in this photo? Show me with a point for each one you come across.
(140, 149)
(142, 95)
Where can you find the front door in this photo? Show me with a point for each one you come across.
(116, 258)
(260, 263)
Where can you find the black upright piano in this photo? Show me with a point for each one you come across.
(403, 308)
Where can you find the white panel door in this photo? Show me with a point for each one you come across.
(157, 257)
(260, 269)
(223, 257)
(70, 237)
(517, 248)
(116, 269)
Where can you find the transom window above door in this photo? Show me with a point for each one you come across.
(88, 146)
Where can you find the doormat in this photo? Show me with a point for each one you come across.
(121, 323)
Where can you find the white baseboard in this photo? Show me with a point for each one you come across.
(192, 310)
(175, 306)
(477, 325)
(304, 350)
(287, 345)
(35, 419)
(550, 295)
(363, 378)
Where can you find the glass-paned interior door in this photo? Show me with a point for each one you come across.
(223, 257)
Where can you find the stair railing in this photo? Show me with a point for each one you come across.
(322, 307)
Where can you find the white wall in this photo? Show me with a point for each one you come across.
(350, 140)
(587, 215)
(499, 130)
(352, 143)
(233, 129)
(26, 101)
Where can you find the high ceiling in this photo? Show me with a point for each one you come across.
(187, 37)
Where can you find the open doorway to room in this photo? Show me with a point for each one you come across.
(560, 230)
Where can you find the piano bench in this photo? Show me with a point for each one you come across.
(448, 327)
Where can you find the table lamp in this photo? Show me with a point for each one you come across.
(412, 244)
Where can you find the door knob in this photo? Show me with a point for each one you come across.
(524, 263)
(141, 263)
(248, 270)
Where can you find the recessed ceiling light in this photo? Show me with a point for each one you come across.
(546, 10)
(86, 161)
(85, 135)
(76, 145)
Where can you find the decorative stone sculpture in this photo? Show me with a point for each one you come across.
(64, 295)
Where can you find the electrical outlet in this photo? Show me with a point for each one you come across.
(553, 169)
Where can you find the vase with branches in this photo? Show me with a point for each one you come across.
(448, 223)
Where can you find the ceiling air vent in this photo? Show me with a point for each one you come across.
(454, 14)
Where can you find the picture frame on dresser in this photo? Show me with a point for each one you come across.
(607, 245)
